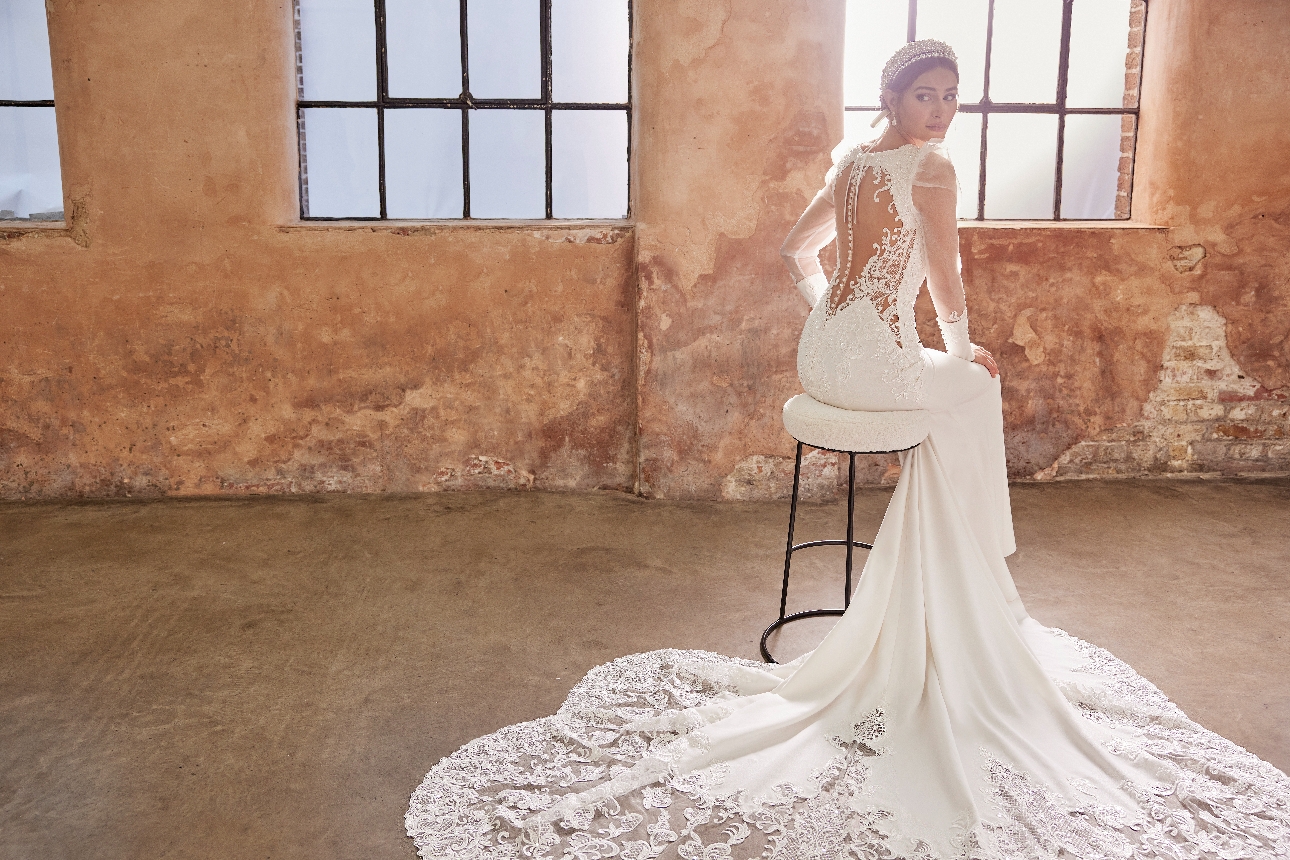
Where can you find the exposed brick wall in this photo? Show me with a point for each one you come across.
(1206, 417)
(1132, 89)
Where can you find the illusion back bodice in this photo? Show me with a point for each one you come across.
(892, 213)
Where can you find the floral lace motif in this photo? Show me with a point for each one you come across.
(881, 276)
(842, 327)
(486, 800)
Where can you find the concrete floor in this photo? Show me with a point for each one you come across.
(270, 678)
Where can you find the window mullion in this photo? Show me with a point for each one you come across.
(631, 47)
(1063, 69)
(382, 96)
(465, 114)
(545, 28)
(985, 111)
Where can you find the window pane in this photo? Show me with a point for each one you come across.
(505, 47)
(589, 164)
(1027, 43)
(340, 163)
(338, 49)
(31, 184)
(1099, 44)
(589, 50)
(1020, 165)
(25, 70)
(1090, 166)
(423, 163)
(961, 23)
(856, 128)
(507, 164)
(963, 141)
(423, 48)
(874, 30)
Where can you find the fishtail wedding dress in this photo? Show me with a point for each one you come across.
(937, 719)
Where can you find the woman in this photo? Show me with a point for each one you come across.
(936, 719)
(891, 204)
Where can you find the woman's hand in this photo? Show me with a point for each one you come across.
(982, 356)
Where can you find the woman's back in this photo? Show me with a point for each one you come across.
(888, 209)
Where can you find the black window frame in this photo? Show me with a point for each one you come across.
(465, 102)
(986, 107)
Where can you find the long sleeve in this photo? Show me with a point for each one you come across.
(935, 195)
(815, 229)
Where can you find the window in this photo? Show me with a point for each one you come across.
(1048, 97)
(31, 183)
(463, 108)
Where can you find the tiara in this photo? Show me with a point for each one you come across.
(911, 53)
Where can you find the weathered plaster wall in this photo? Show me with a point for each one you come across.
(737, 118)
(183, 335)
(746, 105)
(178, 338)
(1211, 167)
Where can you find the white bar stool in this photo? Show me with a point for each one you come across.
(843, 431)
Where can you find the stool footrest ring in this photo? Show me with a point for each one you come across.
(796, 616)
(845, 432)
(859, 544)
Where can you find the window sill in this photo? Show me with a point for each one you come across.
(1059, 225)
(12, 229)
(411, 228)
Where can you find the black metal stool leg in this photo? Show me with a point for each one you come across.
(850, 543)
(792, 519)
(851, 528)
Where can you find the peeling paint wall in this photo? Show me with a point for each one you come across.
(1211, 168)
(1077, 314)
(180, 336)
(1205, 417)
(183, 334)
(739, 105)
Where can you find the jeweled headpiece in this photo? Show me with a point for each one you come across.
(911, 53)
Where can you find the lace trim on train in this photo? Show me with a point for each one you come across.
(1220, 802)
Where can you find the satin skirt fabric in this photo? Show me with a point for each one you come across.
(935, 720)
(966, 405)
(935, 643)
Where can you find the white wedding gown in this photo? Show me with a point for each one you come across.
(936, 719)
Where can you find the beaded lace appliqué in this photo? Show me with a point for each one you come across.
(881, 276)
(1219, 800)
(841, 327)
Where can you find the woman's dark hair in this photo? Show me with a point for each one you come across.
(910, 73)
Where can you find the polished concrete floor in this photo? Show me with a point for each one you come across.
(270, 678)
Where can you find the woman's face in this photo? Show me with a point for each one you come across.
(924, 111)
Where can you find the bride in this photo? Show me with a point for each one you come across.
(937, 719)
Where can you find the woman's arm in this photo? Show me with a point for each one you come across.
(801, 249)
(935, 194)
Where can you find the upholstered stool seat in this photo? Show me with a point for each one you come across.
(823, 426)
(844, 431)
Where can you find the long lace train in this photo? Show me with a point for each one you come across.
(1219, 800)
(936, 720)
